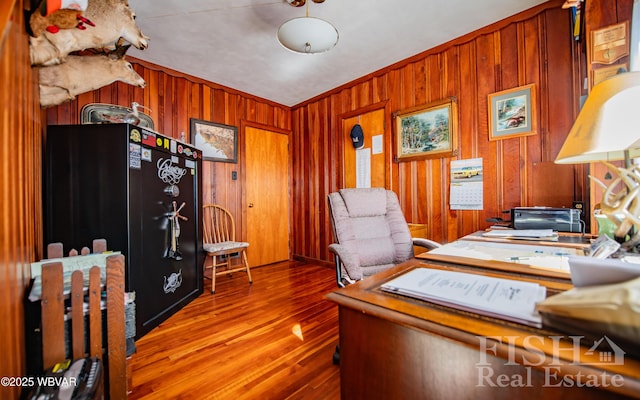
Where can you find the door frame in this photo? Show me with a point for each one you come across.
(388, 137)
(244, 124)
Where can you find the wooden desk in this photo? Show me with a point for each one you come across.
(418, 231)
(395, 347)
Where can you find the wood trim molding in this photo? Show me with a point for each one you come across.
(212, 85)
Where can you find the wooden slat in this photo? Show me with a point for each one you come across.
(99, 246)
(77, 314)
(95, 314)
(53, 347)
(55, 250)
(116, 330)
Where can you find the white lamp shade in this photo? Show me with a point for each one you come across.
(608, 124)
(308, 35)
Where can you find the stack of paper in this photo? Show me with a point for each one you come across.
(523, 234)
(501, 298)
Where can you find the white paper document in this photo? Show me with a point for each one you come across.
(363, 168)
(535, 234)
(377, 144)
(501, 298)
(548, 257)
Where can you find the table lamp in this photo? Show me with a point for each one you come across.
(608, 129)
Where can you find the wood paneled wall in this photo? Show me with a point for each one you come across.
(20, 193)
(535, 46)
(174, 98)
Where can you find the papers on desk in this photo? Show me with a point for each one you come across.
(501, 298)
(550, 257)
(523, 234)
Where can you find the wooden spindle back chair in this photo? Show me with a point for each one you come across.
(219, 241)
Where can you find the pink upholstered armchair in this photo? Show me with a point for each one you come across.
(371, 233)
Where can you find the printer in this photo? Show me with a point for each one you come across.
(558, 219)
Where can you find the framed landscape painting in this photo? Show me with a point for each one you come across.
(512, 113)
(427, 131)
(218, 142)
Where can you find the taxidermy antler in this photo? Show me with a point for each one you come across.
(621, 203)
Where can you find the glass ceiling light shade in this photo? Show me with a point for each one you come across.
(608, 126)
(308, 35)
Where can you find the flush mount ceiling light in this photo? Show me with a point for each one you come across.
(307, 35)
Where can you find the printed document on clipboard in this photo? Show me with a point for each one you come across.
(546, 257)
(495, 297)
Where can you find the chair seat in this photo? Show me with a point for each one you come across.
(224, 246)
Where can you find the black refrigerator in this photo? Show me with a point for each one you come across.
(139, 190)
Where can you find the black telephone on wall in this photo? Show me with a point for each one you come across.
(78, 380)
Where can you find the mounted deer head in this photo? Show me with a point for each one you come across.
(80, 74)
(113, 19)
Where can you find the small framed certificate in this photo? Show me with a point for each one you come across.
(610, 43)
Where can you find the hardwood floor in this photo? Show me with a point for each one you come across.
(273, 339)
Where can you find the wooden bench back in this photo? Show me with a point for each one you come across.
(53, 316)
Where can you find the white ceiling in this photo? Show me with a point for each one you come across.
(233, 42)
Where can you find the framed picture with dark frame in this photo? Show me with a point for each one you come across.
(426, 131)
(512, 113)
(218, 142)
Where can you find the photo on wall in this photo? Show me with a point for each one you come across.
(427, 131)
(512, 113)
(218, 142)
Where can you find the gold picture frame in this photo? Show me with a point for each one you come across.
(512, 113)
(426, 131)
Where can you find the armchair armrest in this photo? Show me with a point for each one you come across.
(425, 243)
(350, 261)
